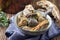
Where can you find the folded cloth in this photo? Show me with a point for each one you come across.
(14, 33)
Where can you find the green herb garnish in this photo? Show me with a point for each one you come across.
(3, 19)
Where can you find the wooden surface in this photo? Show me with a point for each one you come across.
(2, 30)
(2, 35)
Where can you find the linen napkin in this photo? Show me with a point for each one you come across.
(14, 33)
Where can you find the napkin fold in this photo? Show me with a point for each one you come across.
(14, 33)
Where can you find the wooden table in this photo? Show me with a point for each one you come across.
(2, 30)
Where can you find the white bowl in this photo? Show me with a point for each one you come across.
(34, 33)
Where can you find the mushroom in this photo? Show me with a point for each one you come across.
(32, 22)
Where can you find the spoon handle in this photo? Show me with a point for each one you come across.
(50, 10)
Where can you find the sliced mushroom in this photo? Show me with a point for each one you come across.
(32, 22)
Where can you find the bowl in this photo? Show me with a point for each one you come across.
(36, 32)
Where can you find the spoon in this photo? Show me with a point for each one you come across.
(47, 12)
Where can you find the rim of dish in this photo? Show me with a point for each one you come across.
(48, 18)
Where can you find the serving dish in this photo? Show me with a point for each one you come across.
(36, 32)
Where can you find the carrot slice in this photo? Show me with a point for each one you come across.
(39, 25)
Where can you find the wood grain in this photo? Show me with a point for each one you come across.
(2, 33)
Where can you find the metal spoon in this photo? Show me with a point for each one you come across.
(46, 13)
